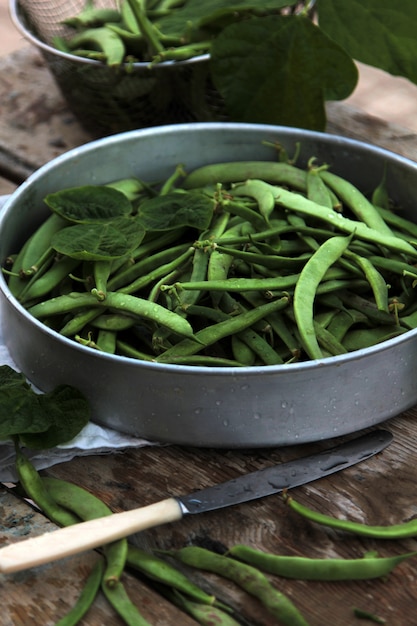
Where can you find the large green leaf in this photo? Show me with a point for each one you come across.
(382, 33)
(99, 241)
(89, 203)
(279, 70)
(177, 209)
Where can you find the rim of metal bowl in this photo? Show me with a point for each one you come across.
(325, 362)
(16, 17)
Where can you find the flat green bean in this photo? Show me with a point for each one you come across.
(247, 577)
(304, 568)
(306, 288)
(356, 201)
(394, 531)
(240, 171)
(86, 598)
(130, 305)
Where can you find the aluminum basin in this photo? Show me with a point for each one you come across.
(211, 406)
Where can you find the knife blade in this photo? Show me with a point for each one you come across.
(94, 533)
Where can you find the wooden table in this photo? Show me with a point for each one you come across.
(35, 126)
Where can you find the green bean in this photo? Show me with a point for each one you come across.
(125, 349)
(303, 568)
(122, 604)
(260, 347)
(160, 570)
(375, 279)
(113, 322)
(40, 286)
(159, 272)
(203, 614)
(363, 338)
(35, 489)
(87, 506)
(146, 27)
(172, 180)
(398, 222)
(328, 341)
(247, 577)
(211, 334)
(86, 598)
(393, 266)
(317, 191)
(260, 192)
(239, 171)
(131, 305)
(395, 531)
(380, 197)
(306, 288)
(355, 301)
(139, 275)
(245, 212)
(33, 249)
(343, 321)
(242, 353)
(356, 201)
(296, 202)
(272, 261)
(106, 341)
(102, 39)
(92, 16)
(76, 324)
(238, 284)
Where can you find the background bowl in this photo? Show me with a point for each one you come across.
(211, 406)
(108, 100)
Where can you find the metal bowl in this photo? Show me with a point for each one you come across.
(211, 406)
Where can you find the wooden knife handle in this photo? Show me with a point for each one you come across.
(70, 540)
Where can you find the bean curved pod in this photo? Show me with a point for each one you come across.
(131, 305)
(304, 568)
(395, 531)
(306, 288)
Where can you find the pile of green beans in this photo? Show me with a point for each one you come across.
(131, 33)
(295, 264)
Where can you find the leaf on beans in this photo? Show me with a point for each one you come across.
(89, 203)
(100, 241)
(176, 209)
(280, 70)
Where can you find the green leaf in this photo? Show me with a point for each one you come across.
(177, 209)
(381, 33)
(20, 412)
(280, 70)
(99, 241)
(214, 14)
(68, 412)
(9, 378)
(40, 420)
(89, 203)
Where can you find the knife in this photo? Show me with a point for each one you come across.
(71, 540)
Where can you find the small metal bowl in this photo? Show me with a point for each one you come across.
(211, 406)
